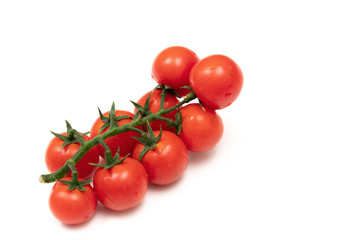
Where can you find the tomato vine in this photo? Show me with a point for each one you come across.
(113, 130)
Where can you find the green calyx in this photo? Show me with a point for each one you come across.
(72, 136)
(168, 90)
(75, 183)
(148, 140)
(142, 111)
(112, 120)
(110, 161)
(178, 122)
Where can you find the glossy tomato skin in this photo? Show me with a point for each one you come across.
(56, 156)
(202, 128)
(167, 162)
(172, 66)
(122, 186)
(217, 81)
(72, 207)
(170, 101)
(123, 140)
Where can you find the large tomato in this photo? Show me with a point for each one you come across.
(217, 81)
(172, 67)
(170, 101)
(167, 162)
(56, 156)
(122, 186)
(202, 128)
(123, 140)
(72, 207)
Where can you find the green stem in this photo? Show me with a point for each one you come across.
(108, 153)
(170, 122)
(87, 145)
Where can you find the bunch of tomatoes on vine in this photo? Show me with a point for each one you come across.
(125, 151)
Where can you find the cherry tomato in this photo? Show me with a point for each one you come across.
(167, 162)
(172, 67)
(122, 186)
(123, 140)
(72, 207)
(170, 101)
(217, 81)
(202, 128)
(56, 156)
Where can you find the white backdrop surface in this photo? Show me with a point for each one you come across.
(276, 174)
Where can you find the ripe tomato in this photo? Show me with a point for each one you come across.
(56, 156)
(123, 140)
(217, 81)
(122, 186)
(170, 101)
(202, 128)
(72, 207)
(172, 67)
(167, 162)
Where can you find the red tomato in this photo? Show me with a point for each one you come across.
(172, 67)
(202, 128)
(123, 140)
(122, 186)
(170, 101)
(72, 207)
(217, 81)
(167, 162)
(55, 157)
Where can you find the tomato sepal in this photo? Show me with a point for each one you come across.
(168, 90)
(149, 141)
(186, 87)
(111, 121)
(74, 183)
(110, 161)
(72, 136)
(142, 111)
(178, 121)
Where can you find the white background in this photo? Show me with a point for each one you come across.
(277, 172)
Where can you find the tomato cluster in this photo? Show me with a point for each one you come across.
(151, 144)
